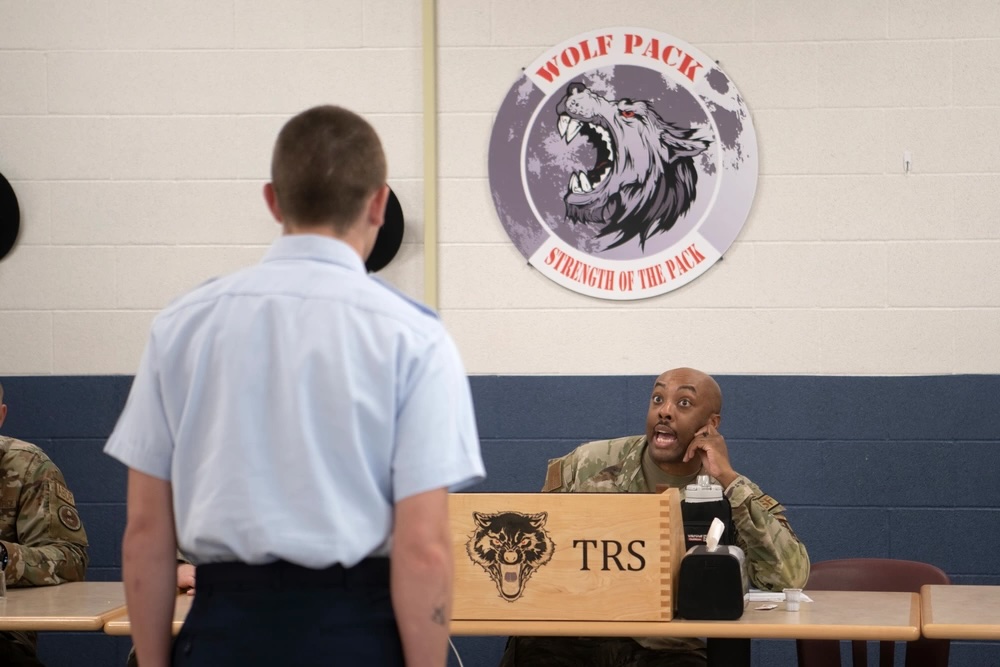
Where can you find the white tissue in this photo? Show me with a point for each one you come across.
(714, 534)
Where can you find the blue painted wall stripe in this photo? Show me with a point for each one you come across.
(897, 467)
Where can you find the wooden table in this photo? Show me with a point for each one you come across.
(832, 615)
(960, 612)
(121, 625)
(81, 605)
(840, 615)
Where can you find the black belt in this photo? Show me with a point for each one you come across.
(282, 574)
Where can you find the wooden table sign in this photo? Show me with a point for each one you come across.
(566, 556)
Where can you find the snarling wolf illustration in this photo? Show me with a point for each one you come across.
(644, 178)
(510, 546)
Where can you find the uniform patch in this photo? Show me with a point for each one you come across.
(767, 502)
(553, 476)
(65, 494)
(69, 517)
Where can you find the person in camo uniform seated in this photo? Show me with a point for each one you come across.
(42, 540)
(681, 441)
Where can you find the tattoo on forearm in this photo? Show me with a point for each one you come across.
(438, 616)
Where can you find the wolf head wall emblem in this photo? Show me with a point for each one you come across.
(644, 177)
(510, 546)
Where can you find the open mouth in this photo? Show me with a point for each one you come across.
(510, 582)
(663, 437)
(582, 182)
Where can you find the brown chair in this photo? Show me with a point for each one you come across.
(873, 574)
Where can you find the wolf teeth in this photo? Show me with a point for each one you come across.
(605, 135)
(573, 129)
(569, 127)
(579, 184)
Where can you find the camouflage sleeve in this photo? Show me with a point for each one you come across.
(596, 466)
(776, 558)
(559, 476)
(52, 543)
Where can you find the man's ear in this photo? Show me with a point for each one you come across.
(3, 413)
(376, 207)
(272, 202)
(715, 420)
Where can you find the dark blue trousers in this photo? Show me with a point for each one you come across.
(283, 614)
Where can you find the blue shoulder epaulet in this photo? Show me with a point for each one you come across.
(422, 307)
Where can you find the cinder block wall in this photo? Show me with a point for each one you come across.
(138, 136)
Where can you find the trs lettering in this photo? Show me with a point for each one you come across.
(610, 552)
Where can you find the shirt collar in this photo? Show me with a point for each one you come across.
(314, 247)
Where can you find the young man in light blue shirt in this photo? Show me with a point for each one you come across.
(295, 428)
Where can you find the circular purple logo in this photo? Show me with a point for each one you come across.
(623, 163)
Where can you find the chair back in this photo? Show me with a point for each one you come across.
(873, 574)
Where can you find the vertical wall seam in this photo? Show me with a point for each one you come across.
(430, 153)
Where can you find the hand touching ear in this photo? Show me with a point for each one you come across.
(709, 445)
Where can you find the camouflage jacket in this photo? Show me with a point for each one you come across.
(39, 525)
(775, 557)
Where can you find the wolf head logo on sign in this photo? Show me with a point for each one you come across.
(623, 163)
(510, 546)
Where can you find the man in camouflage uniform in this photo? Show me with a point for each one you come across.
(42, 540)
(681, 441)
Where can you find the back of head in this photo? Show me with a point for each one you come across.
(327, 161)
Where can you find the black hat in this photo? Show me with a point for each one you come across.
(389, 236)
(10, 217)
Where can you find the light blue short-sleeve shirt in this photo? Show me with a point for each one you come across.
(291, 404)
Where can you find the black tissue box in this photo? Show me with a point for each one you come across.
(711, 585)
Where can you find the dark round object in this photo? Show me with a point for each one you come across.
(10, 217)
(390, 236)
